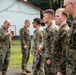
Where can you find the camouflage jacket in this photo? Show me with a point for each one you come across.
(69, 20)
(37, 40)
(61, 47)
(72, 49)
(49, 36)
(5, 42)
(25, 37)
(73, 35)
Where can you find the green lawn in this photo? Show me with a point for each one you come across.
(16, 55)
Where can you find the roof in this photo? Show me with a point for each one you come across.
(31, 5)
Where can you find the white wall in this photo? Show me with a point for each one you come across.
(17, 12)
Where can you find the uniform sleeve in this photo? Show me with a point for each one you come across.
(3, 36)
(41, 33)
(49, 52)
(52, 38)
(65, 46)
(22, 37)
(40, 38)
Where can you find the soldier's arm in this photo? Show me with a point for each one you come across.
(53, 34)
(41, 45)
(3, 36)
(22, 37)
(65, 47)
(40, 38)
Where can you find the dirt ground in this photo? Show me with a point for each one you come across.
(17, 70)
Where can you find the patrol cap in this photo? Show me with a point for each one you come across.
(37, 20)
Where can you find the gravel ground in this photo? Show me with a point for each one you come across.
(17, 71)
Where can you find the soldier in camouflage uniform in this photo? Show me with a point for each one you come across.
(48, 44)
(70, 7)
(61, 43)
(37, 55)
(69, 20)
(25, 46)
(5, 46)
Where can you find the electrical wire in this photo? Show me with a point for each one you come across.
(6, 9)
(23, 12)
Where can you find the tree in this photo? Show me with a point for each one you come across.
(46, 4)
(43, 4)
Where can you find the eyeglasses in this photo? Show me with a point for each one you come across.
(67, 5)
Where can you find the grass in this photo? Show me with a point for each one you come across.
(16, 55)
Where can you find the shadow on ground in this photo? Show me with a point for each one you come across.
(17, 71)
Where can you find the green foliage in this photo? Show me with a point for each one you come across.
(46, 4)
(43, 4)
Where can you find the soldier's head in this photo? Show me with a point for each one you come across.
(27, 23)
(48, 16)
(6, 23)
(60, 16)
(70, 6)
(36, 22)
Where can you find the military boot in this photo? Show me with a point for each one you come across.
(27, 71)
(23, 72)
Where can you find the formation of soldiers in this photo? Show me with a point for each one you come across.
(53, 49)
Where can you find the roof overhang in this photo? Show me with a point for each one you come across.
(31, 5)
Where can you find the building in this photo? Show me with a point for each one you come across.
(17, 11)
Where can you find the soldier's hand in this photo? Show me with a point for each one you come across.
(48, 62)
(9, 33)
(38, 56)
(25, 46)
(59, 73)
(41, 47)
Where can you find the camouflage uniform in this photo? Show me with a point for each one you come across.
(25, 40)
(37, 40)
(5, 49)
(61, 48)
(49, 36)
(69, 20)
(71, 65)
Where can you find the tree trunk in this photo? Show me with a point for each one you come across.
(61, 3)
(50, 1)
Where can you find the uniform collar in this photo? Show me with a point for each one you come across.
(37, 29)
(3, 27)
(63, 25)
(49, 25)
(24, 27)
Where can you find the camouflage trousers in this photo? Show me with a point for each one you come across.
(4, 59)
(40, 70)
(34, 62)
(25, 58)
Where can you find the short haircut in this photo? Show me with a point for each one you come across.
(26, 21)
(62, 10)
(37, 20)
(64, 13)
(49, 11)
